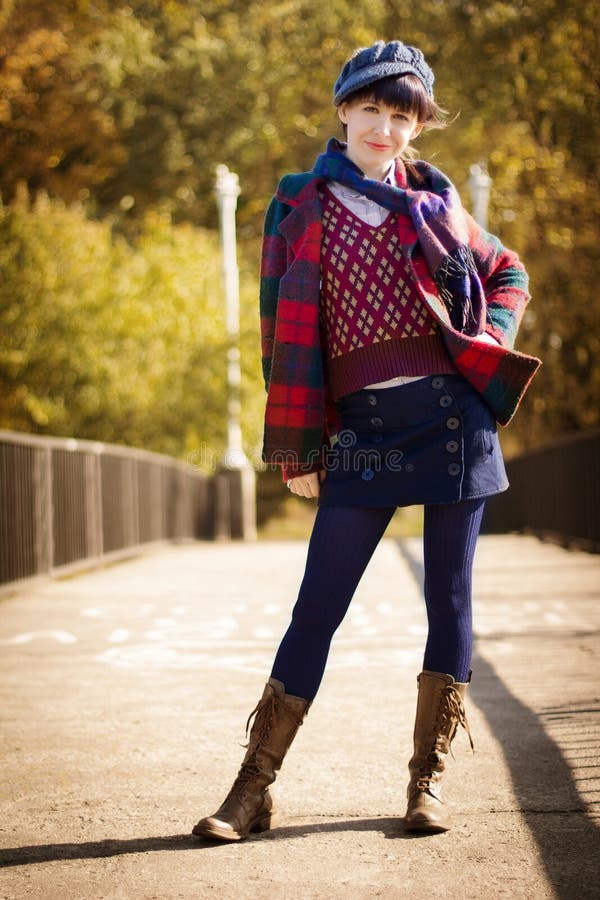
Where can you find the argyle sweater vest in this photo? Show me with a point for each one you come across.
(374, 324)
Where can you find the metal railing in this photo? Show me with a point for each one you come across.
(554, 494)
(65, 501)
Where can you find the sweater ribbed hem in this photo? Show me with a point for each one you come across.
(383, 360)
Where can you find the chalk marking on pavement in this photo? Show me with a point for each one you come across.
(154, 635)
(145, 609)
(144, 657)
(222, 628)
(61, 637)
(502, 648)
(263, 633)
(119, 635)
(164, 622)
(251, 656)
(385, 608)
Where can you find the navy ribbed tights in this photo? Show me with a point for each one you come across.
(341, 545)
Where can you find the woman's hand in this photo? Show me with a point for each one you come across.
(306, 485)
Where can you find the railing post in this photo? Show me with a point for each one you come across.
(48, 513)
(41, 561)
(221, 507)
(133, 532)
(93, 504)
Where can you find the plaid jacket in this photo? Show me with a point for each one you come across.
(300, 417)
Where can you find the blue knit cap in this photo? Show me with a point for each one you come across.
(370, 64)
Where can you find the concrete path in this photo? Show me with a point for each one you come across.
(124, 693)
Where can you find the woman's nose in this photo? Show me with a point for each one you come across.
(383, 126)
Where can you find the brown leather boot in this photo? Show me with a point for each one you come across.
(440, 711)
(249, 806)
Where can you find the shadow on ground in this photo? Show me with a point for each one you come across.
(41, 853)
(543, 781)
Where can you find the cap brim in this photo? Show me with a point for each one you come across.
(371, 74)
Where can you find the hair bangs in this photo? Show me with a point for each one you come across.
(405, 92)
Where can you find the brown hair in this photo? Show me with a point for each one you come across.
(406, 92)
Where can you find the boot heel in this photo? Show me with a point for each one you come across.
(265, 823)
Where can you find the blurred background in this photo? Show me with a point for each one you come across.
(114, 116)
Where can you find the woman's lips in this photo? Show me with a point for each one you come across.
(374, 146)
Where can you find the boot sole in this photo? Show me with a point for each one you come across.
(427, 828)
(213, 832)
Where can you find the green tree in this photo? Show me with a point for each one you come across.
(133, 103)
(106, 340)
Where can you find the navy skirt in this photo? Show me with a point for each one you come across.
(428, 441)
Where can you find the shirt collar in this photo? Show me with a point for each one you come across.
(390, 179)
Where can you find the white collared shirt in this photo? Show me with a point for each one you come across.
(365, 209)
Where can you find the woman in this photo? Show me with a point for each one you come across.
(388, 318)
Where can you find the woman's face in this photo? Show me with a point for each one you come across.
(376, 134)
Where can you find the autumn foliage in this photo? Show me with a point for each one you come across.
(113, 116)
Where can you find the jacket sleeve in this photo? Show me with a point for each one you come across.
(505, 283)
(273, 267)
(274, 262)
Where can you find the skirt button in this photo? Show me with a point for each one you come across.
(453, 469)
(446, 400)
(371, 399)
(452, 446)
(367, 474)
(376, 422)
(437, 382)
(452, 423)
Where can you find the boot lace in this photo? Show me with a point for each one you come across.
(451, 713)
(263, 715)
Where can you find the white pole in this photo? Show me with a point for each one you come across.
(240, 508)
(227, 191)
(480, 184)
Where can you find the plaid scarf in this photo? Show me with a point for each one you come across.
(437, 215)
